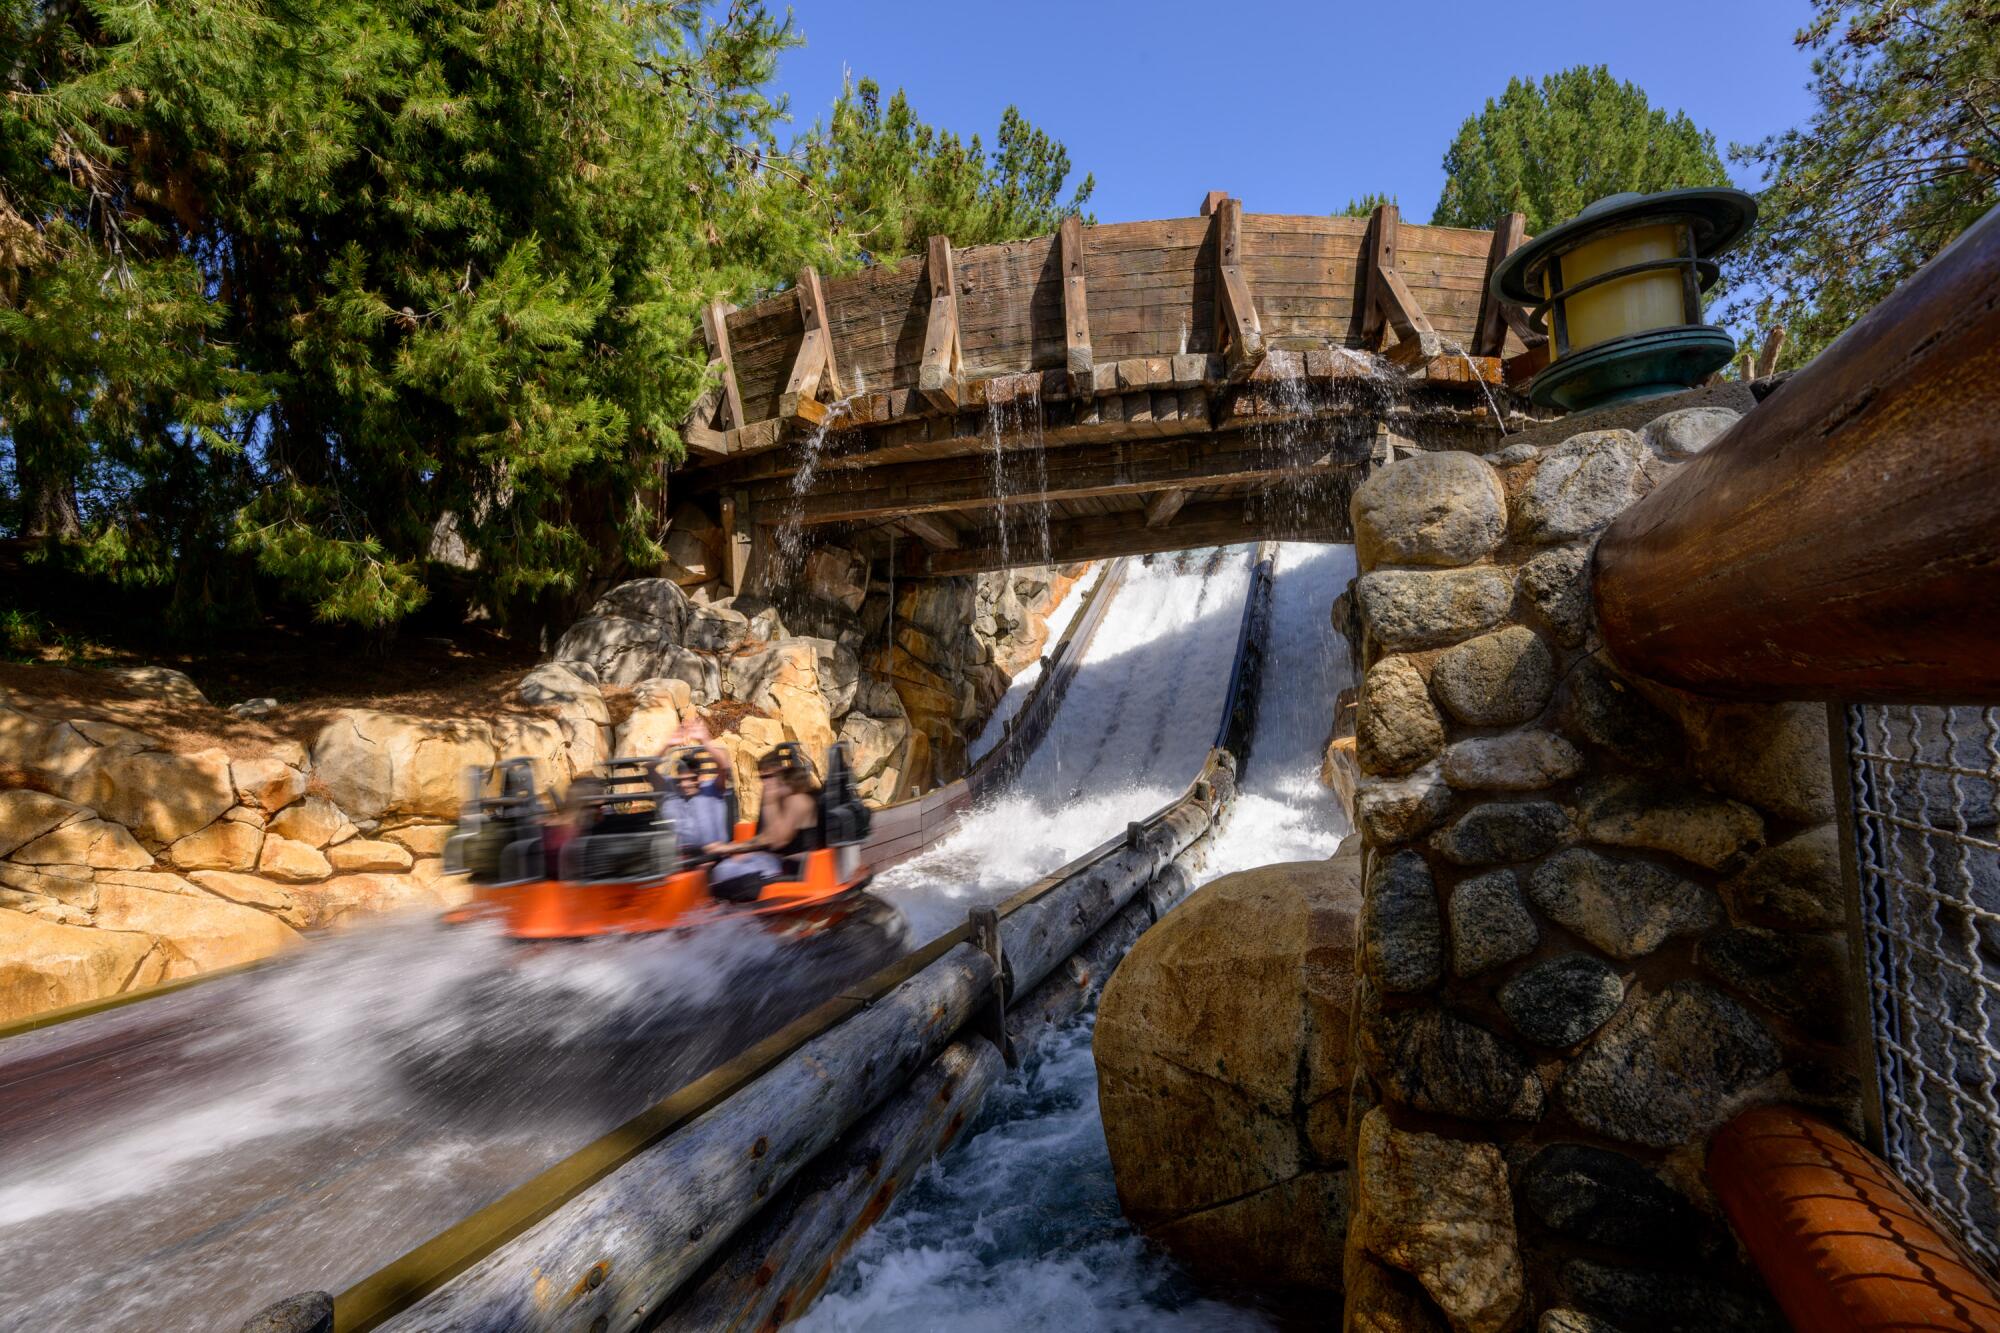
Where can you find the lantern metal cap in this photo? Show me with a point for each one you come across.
(1718, 218)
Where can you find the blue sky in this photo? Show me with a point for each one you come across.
(1293, 108)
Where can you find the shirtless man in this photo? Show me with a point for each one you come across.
(786, 819)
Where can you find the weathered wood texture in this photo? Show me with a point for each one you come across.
(611, 1255)
(1311, 512)
(1151, 292)
(1839, 542)
(772, 1273)
(968, 482)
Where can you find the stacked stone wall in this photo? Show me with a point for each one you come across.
(1599, 915)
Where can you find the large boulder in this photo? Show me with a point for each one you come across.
(201, 932)
(45, 965)
(162, 797)
(26, 815)
(1222, 1058)
(1431, 509)
(375, 764)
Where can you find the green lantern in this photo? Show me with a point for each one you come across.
(1617, 289)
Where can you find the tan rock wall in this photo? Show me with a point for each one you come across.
(126, 862)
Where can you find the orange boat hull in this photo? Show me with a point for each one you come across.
(559, 910)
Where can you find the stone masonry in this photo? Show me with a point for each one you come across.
(1599, 916)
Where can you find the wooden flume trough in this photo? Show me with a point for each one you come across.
(755, 1165)
(1143, 363)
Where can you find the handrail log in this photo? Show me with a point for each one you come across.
(1839, 541)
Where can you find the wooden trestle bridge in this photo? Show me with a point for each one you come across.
(1156, 385)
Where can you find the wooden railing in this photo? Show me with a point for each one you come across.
(1840, 541)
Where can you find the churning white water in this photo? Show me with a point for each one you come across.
(1023, 684)
(1132, 731)
(1018, 1226)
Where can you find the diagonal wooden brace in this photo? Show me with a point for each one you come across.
(939, 378)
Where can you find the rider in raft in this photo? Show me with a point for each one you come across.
(786, 818)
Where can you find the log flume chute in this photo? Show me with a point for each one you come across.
(725, 1204)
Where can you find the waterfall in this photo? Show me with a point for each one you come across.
(1018, 1225)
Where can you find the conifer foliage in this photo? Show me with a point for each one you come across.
(1901, 154)
(288, 284)
(1548, 148)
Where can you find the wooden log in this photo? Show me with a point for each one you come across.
(715, 327)
(934, 532)
(1746, 367)
(1160, 510)
(771, 1274)
(1076, 311)
(1838, 542)
(1489, 336)
(1238, 332)
(938, 376)
(1217, 522)
(1042, 927)
(612, 1254)
(1767, 355)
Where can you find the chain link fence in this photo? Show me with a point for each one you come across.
(1927, 857)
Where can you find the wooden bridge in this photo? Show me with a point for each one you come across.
(1140, 386)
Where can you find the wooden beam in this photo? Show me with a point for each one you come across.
(1838, 542)
(1140, 467)
(736, 541)
(933, 531)
(1212, 201)
(813, 368)
(715, 328)
(1746, 366)
(1386, 299)
(1215, 523)
(1160, 510)
(1767, 355)
(1489, 336)
(938, 377)
(1237, 329)
(1076, 313)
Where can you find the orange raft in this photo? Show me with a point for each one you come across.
(623, 873)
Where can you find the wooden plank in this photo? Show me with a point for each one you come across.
(715, 327)
(1215, 523)
(1767, 355)
(813, 311)
(1212, 201)
(938, 378)
(934, 532)
(1237, 330)
(899, 491)
(1076, 311)
(1489, 338)
(1378, 258)
(1838, 542)
(1160, 510)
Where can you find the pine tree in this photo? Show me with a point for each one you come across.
(1901, 154)
(1548, 149)
(288, 284)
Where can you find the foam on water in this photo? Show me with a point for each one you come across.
(1018, 1227)
(1133, 730)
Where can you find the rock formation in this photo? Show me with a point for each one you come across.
(1222, 1057)
(1601, 915)
(125, 862)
